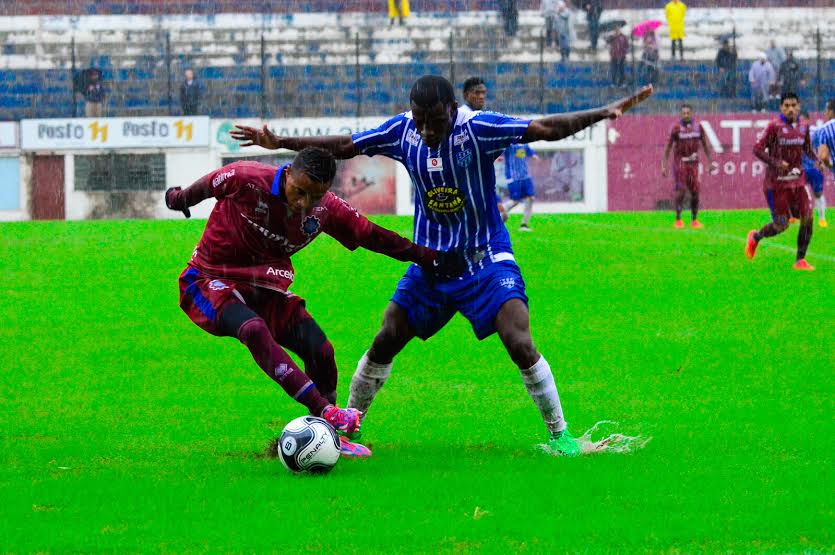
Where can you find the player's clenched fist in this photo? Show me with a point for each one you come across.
(175, 200)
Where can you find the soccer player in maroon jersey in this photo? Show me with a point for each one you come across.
(238, 279)
(781, 147)
(686, 136)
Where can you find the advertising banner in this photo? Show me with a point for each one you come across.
(114, 133)
(733, 181)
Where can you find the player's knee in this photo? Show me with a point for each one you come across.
(781, 222)
(252, 331)
(521, 349)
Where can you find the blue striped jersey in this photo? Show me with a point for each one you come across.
(808, 165)
(516, 161)
(826, 136)
(455, 185)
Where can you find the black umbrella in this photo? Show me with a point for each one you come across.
(607, 26)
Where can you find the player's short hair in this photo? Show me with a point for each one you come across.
(431, 89)
(788, 96)
(686, 105)
(316, 163)
(830, 104)
(472, 83)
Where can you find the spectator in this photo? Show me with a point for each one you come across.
(93, 93)
(675, 11)
(790, 75)
(190, 94)
(776, 55)
(649, 59)
(565, 29)
(510, 15)
(618, 47)
(549, 12)
(398, 9)
(761, 76)
(726, 64)
(593, 9)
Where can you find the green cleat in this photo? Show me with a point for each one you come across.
(564, 444)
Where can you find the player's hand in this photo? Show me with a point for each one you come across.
(251, 136)
(783, 165)
(448, 264)
(173, 202)
(619, 107)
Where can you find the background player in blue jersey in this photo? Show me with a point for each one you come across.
(449, 154)
(814, 177)
(825, 139)
(520, 184)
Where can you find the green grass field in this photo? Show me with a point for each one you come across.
(125, 428)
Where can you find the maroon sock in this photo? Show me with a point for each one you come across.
(278, 365)
(804, 237)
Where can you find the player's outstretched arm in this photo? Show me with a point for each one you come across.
(341, 146)
(560, 126)
(177, 198)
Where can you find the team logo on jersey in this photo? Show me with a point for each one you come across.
(444, 199)
(510, 283)
(434, 164)
(460, 139)
(310, 225)
(412, 137)
(217, 285)
(464, 158)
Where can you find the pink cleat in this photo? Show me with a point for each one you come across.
(803, 265)
(696, 224)
(343, 420)
(353, 450)
(751, 245)
(679, 224)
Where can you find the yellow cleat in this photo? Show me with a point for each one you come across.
(823, 223)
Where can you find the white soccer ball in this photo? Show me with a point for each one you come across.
(308, 444)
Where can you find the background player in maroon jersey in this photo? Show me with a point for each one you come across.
(781, 147)
(237, 281)
(685, 138)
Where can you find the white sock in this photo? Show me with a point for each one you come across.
(539, 381)
(821, 202)
(528, 209)
(368, 379)
(511, 205)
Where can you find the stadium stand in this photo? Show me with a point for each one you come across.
(312, 60)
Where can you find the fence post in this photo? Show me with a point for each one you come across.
(263, 78)
(819, 45)
(451, 57)
(542, 72)
(73, 77)
(168, 70)
(358, 73)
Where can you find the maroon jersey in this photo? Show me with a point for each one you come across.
(251, 234)
(686, 138)
(782, 141)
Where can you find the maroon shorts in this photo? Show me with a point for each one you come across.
(789, 203)
(203, 298)
(687, 175)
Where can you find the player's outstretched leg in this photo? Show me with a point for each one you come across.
(513, 326)
(526, 215)
(351, 449)
(779, 225)
(374, 367)
(343, 420)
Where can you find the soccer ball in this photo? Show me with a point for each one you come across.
(308, 444)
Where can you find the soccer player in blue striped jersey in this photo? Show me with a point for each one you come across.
(449, 154)
(825, 139)
(520, 184)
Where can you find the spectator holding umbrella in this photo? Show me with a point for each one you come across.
(648, 68)
(618, 47)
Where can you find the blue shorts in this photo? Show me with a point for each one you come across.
(815, 180)
(430, 304)
(520, 189)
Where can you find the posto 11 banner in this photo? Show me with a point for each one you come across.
(734, 180)
(114, 133)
